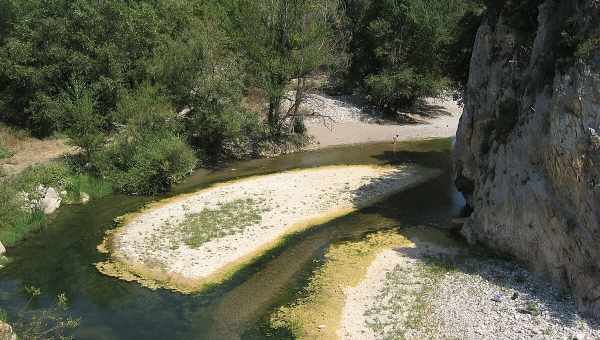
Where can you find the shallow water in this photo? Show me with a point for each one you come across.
(61, 257)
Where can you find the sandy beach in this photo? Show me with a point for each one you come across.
(347, 123)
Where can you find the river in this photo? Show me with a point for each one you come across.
(60, 258)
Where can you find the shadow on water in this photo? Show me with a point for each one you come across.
(61, 257)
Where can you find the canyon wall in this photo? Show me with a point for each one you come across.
(527, 155)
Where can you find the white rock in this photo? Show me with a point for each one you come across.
(50, 202)
(84, 198)
(6, 332)
(2, 249)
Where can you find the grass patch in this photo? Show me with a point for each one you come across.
(5, 153)
(229, 218)
(323, 299)
(84, 183)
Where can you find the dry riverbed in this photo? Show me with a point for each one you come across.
(202, 238)
(418, 284)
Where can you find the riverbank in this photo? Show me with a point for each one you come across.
(334, 121)
(18, 151)
(194, 240)
(420, 284)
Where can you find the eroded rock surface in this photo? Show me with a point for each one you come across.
(528, 150)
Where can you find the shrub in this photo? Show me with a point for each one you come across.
(396, 90)
(81, 120)
(396, 47)
(109, 45)
(217, 125)
(231, 134)
(147, 155)
(146, 165)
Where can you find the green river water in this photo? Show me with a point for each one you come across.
(61, 257)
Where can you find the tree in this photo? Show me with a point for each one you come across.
(285, 40)
(397, 47)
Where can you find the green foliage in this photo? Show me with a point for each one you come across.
(146, 155)
(51, 175)
(4, 153)
(216, 123)
(145, 164)
(113, 75)
(284, 40)
(82, 123)
(402, 88)
(106, 45)
(397, 46)
(93, 186)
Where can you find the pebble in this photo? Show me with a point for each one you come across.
(459, 303)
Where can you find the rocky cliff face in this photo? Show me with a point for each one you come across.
(527, 156)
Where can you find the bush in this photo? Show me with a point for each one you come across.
(81, 121)
(401, 89)
(217, 125)
(147, 155)
(230, 134)
(146, 165)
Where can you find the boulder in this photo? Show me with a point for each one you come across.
(6, 332)
(84, 198)
(50, 201)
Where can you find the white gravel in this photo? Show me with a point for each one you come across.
(286, 198)
(480, 299)
(358, 317)
(490, 299)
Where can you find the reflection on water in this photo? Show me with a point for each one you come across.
(61, 257)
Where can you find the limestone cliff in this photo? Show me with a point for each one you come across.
(527, 156)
